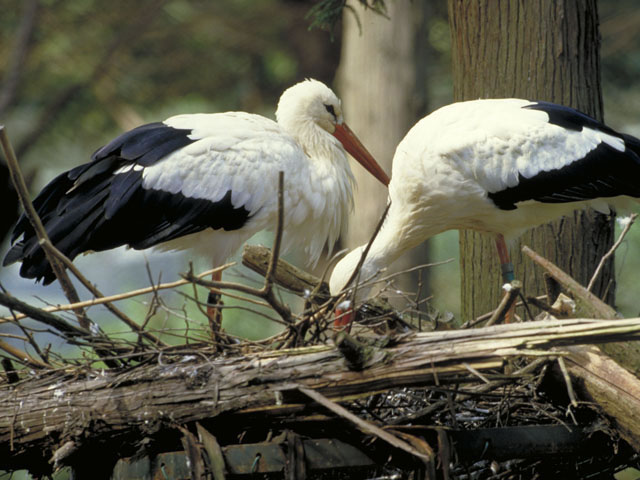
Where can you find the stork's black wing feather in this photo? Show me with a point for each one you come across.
(605, 171)
(102, 204)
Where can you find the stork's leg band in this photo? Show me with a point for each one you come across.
(508, 275)
(213, 298)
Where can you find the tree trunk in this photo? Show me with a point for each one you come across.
(383, 60)
(545, 50)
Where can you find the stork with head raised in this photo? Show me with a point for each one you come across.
(205, 182)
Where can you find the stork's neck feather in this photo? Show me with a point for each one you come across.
(331, 178)
(302, 113)
(397, 235)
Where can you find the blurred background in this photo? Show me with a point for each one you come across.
(76, 73)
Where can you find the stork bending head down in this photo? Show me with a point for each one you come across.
(498, 166)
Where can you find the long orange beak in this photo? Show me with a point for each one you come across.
(358, 151)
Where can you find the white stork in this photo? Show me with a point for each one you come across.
(499, 166)
(205, 182)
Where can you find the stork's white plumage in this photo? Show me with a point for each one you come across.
(206, 182)
(498, 166)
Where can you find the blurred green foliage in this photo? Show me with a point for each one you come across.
(141, 61)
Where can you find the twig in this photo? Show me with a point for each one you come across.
(53, 255)
(506, 303)
(257, 258)
(361, 424)
(28, 335)
(97, 293)
(418, 417)
(23, 356)
(36, 223)
(266, 292)
(544, 306)
(476, 373)
(68, 330)
(586, 302)
(117, 297)
(614, 247)
(155, 302)
(275, 251)
(484, 316)
(567, 381)
(356, 273)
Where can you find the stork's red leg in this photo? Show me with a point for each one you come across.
(505, 261)
(213, 312)
(507, 271)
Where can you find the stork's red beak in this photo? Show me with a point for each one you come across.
(358, 151)
(344, 316)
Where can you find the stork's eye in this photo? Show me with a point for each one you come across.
(331, 110)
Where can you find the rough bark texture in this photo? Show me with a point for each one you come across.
(545, 50)
(84, 411)
(379, 83)
(604, 382)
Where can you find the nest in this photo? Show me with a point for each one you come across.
(380, 400)
(489, 402)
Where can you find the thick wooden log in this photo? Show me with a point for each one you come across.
(607, 375)
(85, 408)
(257, 257)
(614, 389)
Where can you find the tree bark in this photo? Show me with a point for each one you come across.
(542, 50)
(383, 103)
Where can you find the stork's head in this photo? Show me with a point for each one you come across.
(309, 101)
(308, 108)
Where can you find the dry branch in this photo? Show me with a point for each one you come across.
(617, 391)
(57, 260)
(298, 281)
(87, 406)
(628, 223)
(609, 384)
(506, 303)
(117, 297)
(38, 227)
(588, 305)
(366, 427)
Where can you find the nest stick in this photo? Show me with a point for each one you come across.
(365, 252)
(266, 292)
(505, 304)
(116, 297)
(23, 194)
(275, 251)
(54, 256)
(614, 247)
(22, 355)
